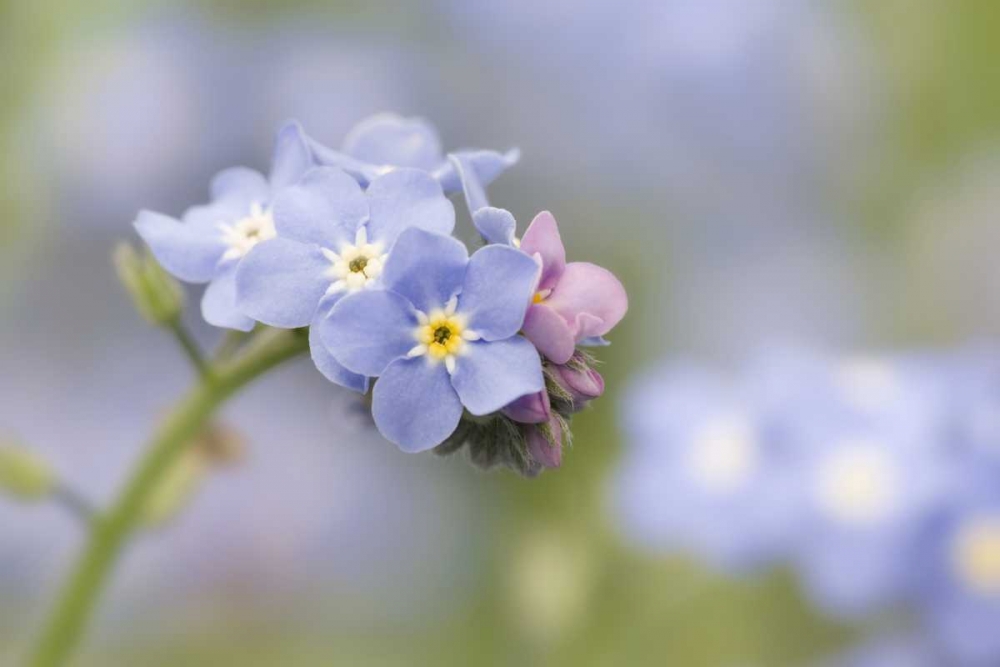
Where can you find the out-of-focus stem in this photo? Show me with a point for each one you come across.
(75, 503)
(231, 344)
(190, 348)
(109, 534)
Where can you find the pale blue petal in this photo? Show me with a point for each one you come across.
(414, 404)
(281, 282)
(475, 193)
(218, 305)
(209, 218)
(426, 268)
(489, 376)
(594, 341)
(388, 139)
(325, 207)
(499, 285)
(189, 252)
(362, 172)
(407, 198)
(240, 184)
(331, 369)
(496, 225)
(367, 330)
(292, 158)
(485, 166)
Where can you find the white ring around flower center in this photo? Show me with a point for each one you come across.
(724, 454)
(441, 335)
(241, 236)
(356, 266)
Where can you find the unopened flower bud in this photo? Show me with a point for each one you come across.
(216, 447)
(530, 409)
(545, 442)
(220, 446)
(175, 489)
(582, 384)
(156, 295)
(24, 474)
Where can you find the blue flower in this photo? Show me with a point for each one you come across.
(865, 439)
(334, 239)
(702, 474)
(386, 141)
(959, 561)
(440, 336)
(976, 393)
(212, 240)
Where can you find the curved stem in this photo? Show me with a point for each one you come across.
(75, 503)
(110, 533)
(190, 348)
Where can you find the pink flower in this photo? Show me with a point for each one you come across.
(574, 301)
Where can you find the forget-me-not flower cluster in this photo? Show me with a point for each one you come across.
(874, 478)
(458, 348)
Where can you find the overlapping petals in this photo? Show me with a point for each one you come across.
(468, 351)
(575, 301)
(334, 238)
(418, 399)
(207, 243)
(386, 142)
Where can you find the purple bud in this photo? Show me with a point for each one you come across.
(546, 448)
(530, 409)
(582, 385)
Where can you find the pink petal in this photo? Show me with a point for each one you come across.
(531, 409)
(589, 297)
(542, 238)
(550, 333)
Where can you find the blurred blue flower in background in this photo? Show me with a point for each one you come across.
(701, 473)
(871, 477)
(867, 435)
(171, 79)
(723, 82)
(959, 555)
(147, 108)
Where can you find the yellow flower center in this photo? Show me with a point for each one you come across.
(541, 295)
(442, 335)
(975, 555)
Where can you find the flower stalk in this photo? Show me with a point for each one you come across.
(109, 534)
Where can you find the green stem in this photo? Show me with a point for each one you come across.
(231, 344)
(190, 348)
(109, 534)
(75, 503)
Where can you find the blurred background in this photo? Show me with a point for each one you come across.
(763, 175)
